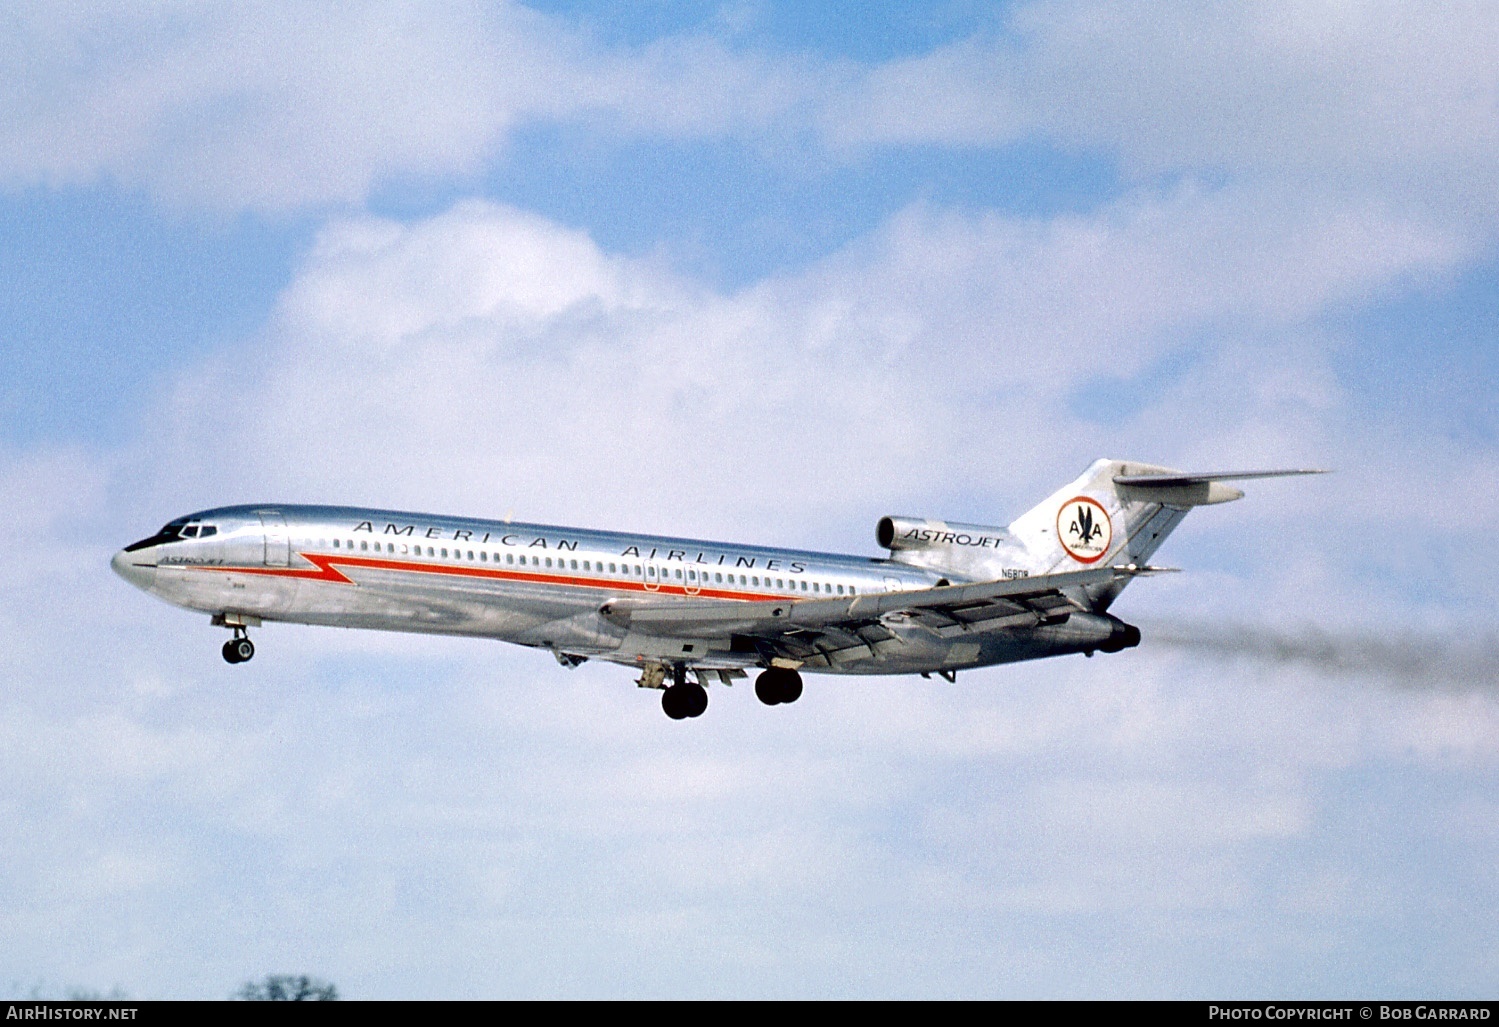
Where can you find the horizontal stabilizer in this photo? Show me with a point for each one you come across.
(1178, 489)
(1164, 480)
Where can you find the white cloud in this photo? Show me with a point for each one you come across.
(489, 361)
(1364, 94)
(258, 105)
(277, 106)
(1358, 88)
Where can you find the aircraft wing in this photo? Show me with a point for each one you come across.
(811, 629)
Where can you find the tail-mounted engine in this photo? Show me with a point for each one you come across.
(909, 533)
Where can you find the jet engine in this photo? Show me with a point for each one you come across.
(1123, 636)
(1088, 633)
(897, 533)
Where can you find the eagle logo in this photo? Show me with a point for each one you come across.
(1084, 529)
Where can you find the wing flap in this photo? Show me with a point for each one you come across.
(1039, 596)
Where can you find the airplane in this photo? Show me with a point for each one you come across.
(689, 613)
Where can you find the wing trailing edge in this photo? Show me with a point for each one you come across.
(768, 618)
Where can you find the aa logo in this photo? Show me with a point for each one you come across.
(1084, 529)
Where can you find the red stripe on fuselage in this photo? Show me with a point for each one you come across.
(327, 571)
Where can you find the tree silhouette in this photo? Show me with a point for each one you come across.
(287, 988)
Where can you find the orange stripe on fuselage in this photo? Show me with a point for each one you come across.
(327, 571)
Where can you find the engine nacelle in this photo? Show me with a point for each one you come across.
(1123, 636)
(897, 533)
(1090, 633)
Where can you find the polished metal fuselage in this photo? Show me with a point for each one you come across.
(530, 584)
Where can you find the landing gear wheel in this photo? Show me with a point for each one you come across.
(238, 650)
(681, 701)
(671, 702)
(791, 687)
(767, 687)
(778, 685)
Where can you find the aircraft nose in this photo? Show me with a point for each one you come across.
(137, 570)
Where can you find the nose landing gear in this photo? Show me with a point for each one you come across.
(239, 648)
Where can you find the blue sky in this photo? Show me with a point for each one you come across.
(759, 271)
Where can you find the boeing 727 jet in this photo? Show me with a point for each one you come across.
(687, 613)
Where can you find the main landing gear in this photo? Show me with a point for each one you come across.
(683, 698)
(239, 648)
(778, 685)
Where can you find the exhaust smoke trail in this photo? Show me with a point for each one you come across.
(1408, 659)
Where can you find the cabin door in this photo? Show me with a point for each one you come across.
(277, 540)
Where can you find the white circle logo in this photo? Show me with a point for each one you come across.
(1084, 529)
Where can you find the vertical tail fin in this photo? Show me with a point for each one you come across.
(1118, 512)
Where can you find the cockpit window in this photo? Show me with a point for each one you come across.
(175, 531)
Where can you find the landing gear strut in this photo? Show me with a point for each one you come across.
(778, 685)
(239, 648)
(683, 698)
